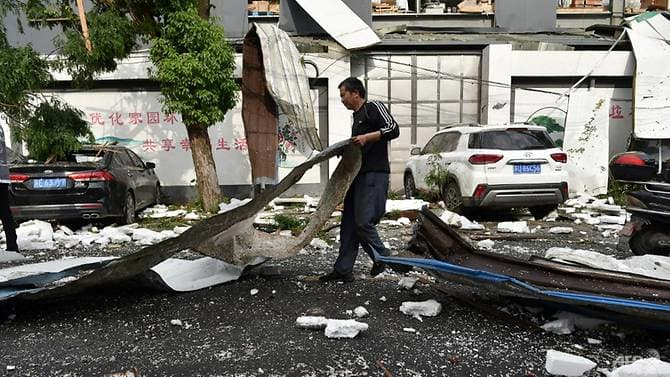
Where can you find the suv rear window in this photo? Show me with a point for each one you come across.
(511, 139)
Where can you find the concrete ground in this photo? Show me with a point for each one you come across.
(227, 331)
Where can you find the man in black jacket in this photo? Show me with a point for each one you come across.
(365, 201)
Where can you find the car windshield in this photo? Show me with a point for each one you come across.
(511, 139)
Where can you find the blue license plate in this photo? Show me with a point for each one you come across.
(49, 183)
(527, 169)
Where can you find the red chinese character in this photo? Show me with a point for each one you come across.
(116, 119)
(167, 145)
(240, 144)
(185, 144)
(170, 118)
(615, 112)
(153, 117)
(96, 118)
(222, 144)
(135, 118)
(149, 145)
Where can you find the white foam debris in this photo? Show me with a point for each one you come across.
(561, 230)
(607, 219)
(454, 219)
(562, 326)
(311, 322)
(407, 282)
(485, 244)
(428, 308)
(656, 266)
(320, 244)
(382, 299)
(409, 329)
(405, 205)
(565, 364)
(176, 322)
(467, 224)
(35, 235)
(253, 292)
(180, 229)
(513, 227)
(234, 203)
(344, 328)
(360, 312)
(404, 221)
(192, 216)
(643, 368)
(593, 341)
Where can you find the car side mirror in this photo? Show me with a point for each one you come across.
(150, 165)
(415, 151)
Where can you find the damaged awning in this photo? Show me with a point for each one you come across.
(274, 83)
(649, 34)
(603, 293)
(338, 20)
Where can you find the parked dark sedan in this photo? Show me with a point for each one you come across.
(94, 182)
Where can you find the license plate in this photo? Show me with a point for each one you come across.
(527, 169)
(49, 183)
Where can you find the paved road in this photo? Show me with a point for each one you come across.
(226, 331)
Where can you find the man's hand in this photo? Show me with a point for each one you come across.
(371, 137)
(360, 140)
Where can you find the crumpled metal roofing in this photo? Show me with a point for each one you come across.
(288, 83)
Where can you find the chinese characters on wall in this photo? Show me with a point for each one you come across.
(155, 118)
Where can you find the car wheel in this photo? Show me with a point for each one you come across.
(410, 187)
(128, 210)
(648, 240)
(541, 212)
(451, 195)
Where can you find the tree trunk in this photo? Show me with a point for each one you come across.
(205, 168)
(203, 9)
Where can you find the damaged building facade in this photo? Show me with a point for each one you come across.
(484, 68)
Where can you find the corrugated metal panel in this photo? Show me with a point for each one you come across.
(288, 83)
(649, 33)
(336, 18)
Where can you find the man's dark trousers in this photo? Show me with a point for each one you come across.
(364, 206)
(7, 219)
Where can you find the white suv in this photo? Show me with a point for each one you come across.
(502, 166)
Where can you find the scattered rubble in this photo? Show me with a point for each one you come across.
(513, 227)
(361, 312)
(407, 282)
(344, 328)
(565, 364)
(428, 308)
(643, 368)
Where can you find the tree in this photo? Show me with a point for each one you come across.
(194, 63)
(49, 127)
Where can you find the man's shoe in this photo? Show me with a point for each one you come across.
(336, 276)
(377, 268)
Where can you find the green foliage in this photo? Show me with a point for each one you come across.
(394, 215)
(163, 223)
(395, 195)
(618, 190)
(54, 130)
(290, 222)
(112, 36)
(548, 122)
(22, 73)
(195, 66)
(40, 13)
(437, 173)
